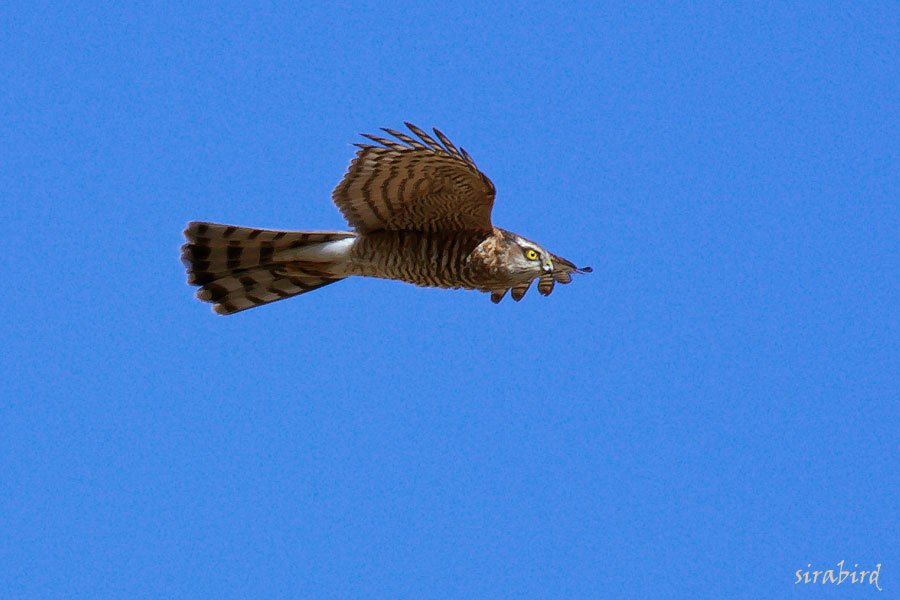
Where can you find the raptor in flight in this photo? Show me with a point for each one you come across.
(421, 213)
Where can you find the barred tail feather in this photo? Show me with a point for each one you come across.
(255, 287)
(236, 267)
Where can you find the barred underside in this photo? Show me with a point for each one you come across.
(428, 260)
(235, 268)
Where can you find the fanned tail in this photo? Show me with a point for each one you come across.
(238, 268)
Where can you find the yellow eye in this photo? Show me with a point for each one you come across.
(531, 254)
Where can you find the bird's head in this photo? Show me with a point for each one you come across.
(527, 261)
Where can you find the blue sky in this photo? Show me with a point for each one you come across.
(714, 408)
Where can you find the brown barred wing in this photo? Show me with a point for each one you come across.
(415, 185)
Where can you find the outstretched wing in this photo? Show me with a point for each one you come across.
(414, 185)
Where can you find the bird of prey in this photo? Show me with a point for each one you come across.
(420, 212)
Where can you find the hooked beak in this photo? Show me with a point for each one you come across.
(548, 266)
